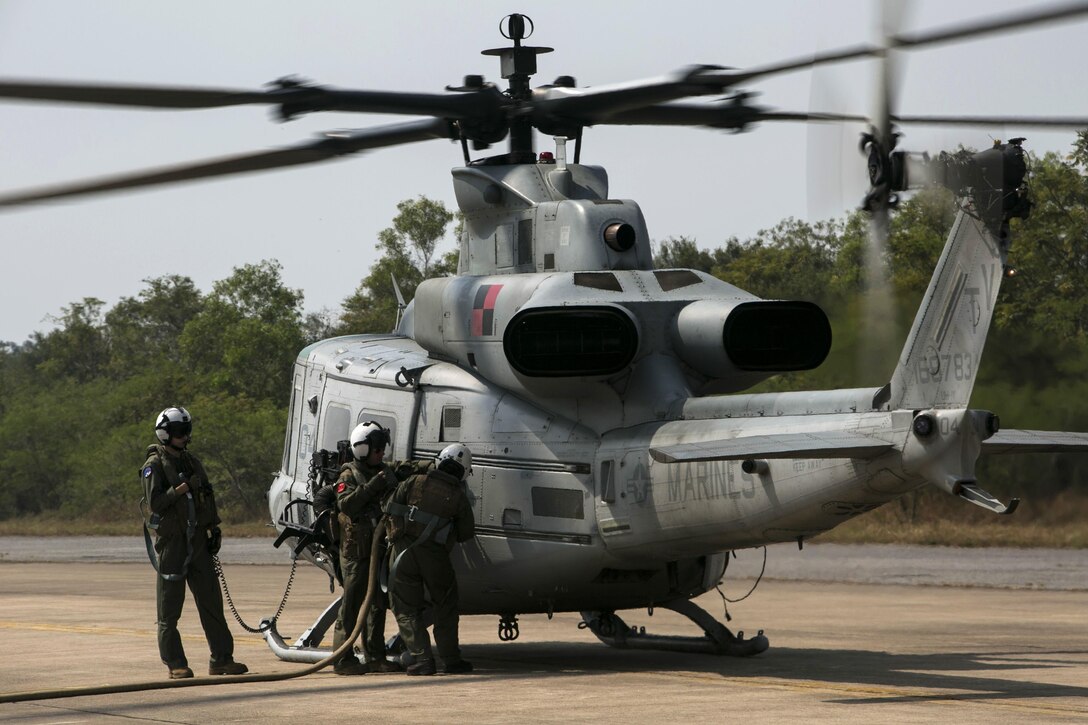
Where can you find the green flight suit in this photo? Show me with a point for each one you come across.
(161, 474)
(426, 563)
(360, 491)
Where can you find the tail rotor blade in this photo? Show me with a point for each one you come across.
(879, 312)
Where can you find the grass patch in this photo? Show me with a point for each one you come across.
(934, 518)
(879, 528)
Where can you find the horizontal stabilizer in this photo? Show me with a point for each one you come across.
(1035, 441)
(830, 444)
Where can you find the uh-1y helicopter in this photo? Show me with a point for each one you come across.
(616, 459)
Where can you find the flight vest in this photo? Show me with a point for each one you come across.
(173, 522)
(437, 493)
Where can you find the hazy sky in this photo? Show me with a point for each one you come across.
(321, 222)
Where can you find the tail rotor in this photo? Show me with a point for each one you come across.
(885, 175)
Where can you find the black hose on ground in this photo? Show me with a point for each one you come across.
(372, 586)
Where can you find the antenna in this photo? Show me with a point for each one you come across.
(400, 301)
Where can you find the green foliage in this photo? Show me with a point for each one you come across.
(918, 233)
(31, 483)
(240, 442)
(143, 329)
(1051, 253)
(79, 402)
(247, 334)
(79, 349)
(408, 249)
(417, 227)
(794, 260)
(683, 253)
(1079, 156)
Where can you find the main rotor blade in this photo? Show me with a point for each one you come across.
(487, 103)
(139, 96)
(1022, 121)
(730, 115)
(725, 115)
(596, 104)
(1011, 22)
(293, 97)
(330, 146)
(1008, 23)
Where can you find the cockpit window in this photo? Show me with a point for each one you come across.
(671, 279)
(598, 280)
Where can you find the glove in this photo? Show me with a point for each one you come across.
(215, 540)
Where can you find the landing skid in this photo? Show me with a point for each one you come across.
(716, 639)
(306, 648)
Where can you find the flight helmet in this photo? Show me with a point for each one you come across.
(173, 422)
(367, 437)
(456, 460)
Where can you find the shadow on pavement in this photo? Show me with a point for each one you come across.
(971, 675)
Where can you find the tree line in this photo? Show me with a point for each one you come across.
(77, 403)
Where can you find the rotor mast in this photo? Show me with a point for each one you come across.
(518, 64)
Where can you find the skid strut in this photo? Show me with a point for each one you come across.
(716, 639)
(306, 648)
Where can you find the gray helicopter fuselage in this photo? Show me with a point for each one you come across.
(614, 460)
(561, 357)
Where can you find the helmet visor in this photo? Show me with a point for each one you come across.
(177, 429)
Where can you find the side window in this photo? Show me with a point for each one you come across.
(305, 441)
(504, 245)
(336, 427)
(451, 423)
(288, 464)
(608, 481)
(385, 421)
(525, 241)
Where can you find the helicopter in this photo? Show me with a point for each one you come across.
(617, 457)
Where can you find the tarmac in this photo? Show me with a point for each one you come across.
(841, 651)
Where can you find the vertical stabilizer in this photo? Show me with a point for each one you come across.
(940, 360)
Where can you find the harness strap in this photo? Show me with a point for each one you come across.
(432, 522)
(413, 513)
(190, 534)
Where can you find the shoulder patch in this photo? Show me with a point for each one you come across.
(147, 472)
(341, 487)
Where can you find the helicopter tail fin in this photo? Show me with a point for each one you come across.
(940, 360)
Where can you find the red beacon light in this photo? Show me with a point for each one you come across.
(546, 157)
